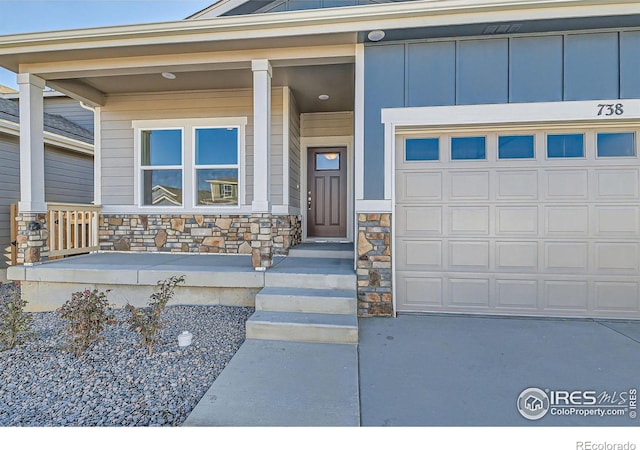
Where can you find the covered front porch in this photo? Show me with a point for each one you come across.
(198, 149)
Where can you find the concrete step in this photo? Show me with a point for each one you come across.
(303, 327)
(307, 280)
(319, 251)
(304, 300)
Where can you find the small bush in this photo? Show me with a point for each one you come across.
(148, 321)
(15, 324)
(88, 313)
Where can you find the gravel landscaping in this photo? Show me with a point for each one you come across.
(116, 382)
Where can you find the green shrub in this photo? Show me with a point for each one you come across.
(15, 324)
(148, 321)
(88, 313)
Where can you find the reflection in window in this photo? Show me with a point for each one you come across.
(162, 187)
(425, 149)
(565, 146)
(327, 161)
(217, 186)
(468, 147)
(161, 164)
(616, 144)
(216, 166)
(514, 147)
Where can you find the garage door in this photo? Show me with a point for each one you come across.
(518, 221)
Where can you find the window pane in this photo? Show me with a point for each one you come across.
(468, 148)
(616, 144)
(162, 187)
(327, 161)
(565, 146)
(217, 186)
(427, 149)
(216, 146)
(162, 147)
(515, 147)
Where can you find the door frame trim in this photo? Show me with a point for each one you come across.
(327, 141)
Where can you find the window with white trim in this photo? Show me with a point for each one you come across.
(190, 164)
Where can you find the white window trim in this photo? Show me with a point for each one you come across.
(188, 127)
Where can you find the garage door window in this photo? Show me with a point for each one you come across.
(512, 147)
(426, 149)
(565, 146)
(468, 148)
(616, 144)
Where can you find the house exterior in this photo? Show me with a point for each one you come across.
(68, 158)
(482, 156)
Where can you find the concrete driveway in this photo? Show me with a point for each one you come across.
(470, 371)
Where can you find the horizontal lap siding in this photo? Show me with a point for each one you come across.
(294, 153)
(117, 133)
(9, 190)
(70, 109)
(327, 124)
(68, 177)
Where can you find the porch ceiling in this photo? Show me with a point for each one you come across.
(306, 82)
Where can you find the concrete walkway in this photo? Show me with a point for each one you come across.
(425, 371)
(284, 383)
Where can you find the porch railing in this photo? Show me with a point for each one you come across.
(73, 229)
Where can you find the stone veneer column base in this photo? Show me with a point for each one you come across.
(32, 238)
(374, 265)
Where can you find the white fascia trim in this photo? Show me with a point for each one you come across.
(422, 13)
(512, 113)
(56, 140)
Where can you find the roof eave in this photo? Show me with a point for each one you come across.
(295, 23)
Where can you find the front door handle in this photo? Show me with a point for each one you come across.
(309, 200)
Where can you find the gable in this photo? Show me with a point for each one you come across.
(245, 7)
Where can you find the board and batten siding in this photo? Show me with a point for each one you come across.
(492, 70)
(294, 153)
(117, 143)
(70, 109)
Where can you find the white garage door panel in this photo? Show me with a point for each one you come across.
(540, 237)
(613, 184)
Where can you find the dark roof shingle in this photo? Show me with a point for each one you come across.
(53, 123)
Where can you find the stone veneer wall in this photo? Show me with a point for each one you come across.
(32, 238)
(374, 265)
(189, 233)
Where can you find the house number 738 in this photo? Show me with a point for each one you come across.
(610, 109)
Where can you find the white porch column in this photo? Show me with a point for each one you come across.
(31, 143)
(261, 135)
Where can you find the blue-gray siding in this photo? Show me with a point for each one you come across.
(559, 67)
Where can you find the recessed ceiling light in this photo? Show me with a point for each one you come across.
(376, 35)
(323, 97)
(169, 75)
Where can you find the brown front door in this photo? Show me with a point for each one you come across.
(327, 192)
